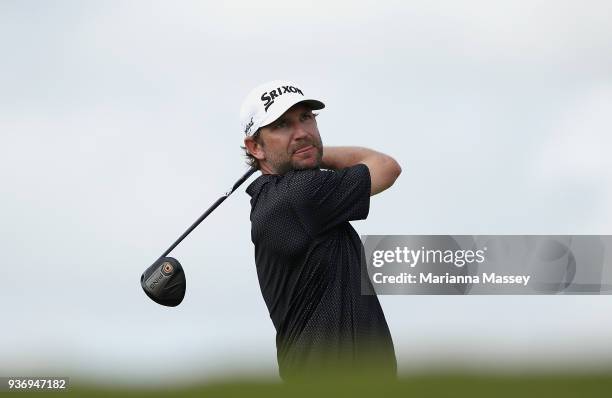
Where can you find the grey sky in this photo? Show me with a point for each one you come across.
(119, 126)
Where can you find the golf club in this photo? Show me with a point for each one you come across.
(164, 281)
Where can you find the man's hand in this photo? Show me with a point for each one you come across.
(384, 170)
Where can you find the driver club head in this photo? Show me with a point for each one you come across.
(164, 282)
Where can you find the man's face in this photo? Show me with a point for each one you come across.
(291, 142)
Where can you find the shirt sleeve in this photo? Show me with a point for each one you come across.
(323, 199)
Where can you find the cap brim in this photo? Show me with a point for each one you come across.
(278, 111)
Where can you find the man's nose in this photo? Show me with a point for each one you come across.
(299, 132)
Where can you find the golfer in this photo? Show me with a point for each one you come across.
(307, 254)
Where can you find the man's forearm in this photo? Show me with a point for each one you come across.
(384, 170)
(340, 157)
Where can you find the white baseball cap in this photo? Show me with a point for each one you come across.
(268, 101)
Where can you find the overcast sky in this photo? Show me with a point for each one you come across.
(119, 126)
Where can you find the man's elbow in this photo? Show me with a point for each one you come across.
(394, 169)
(384, 170)
(390, 172)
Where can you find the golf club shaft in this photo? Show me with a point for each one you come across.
(210, 210)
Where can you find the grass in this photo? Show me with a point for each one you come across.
(423, 386)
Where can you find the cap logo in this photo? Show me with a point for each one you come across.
(247, 129)
(268, 99)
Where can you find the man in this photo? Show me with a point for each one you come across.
(307, 254)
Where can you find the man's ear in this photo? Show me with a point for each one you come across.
(254, 148)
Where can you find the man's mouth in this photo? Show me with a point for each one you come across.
(303, 149)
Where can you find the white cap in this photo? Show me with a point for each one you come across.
(268, 101)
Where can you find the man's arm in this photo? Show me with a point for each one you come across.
(384, 170)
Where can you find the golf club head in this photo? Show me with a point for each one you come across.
(164, 282)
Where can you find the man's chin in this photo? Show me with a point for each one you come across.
(302, 164)
(307, 165)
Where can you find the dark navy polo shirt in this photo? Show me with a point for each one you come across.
(308, 259)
